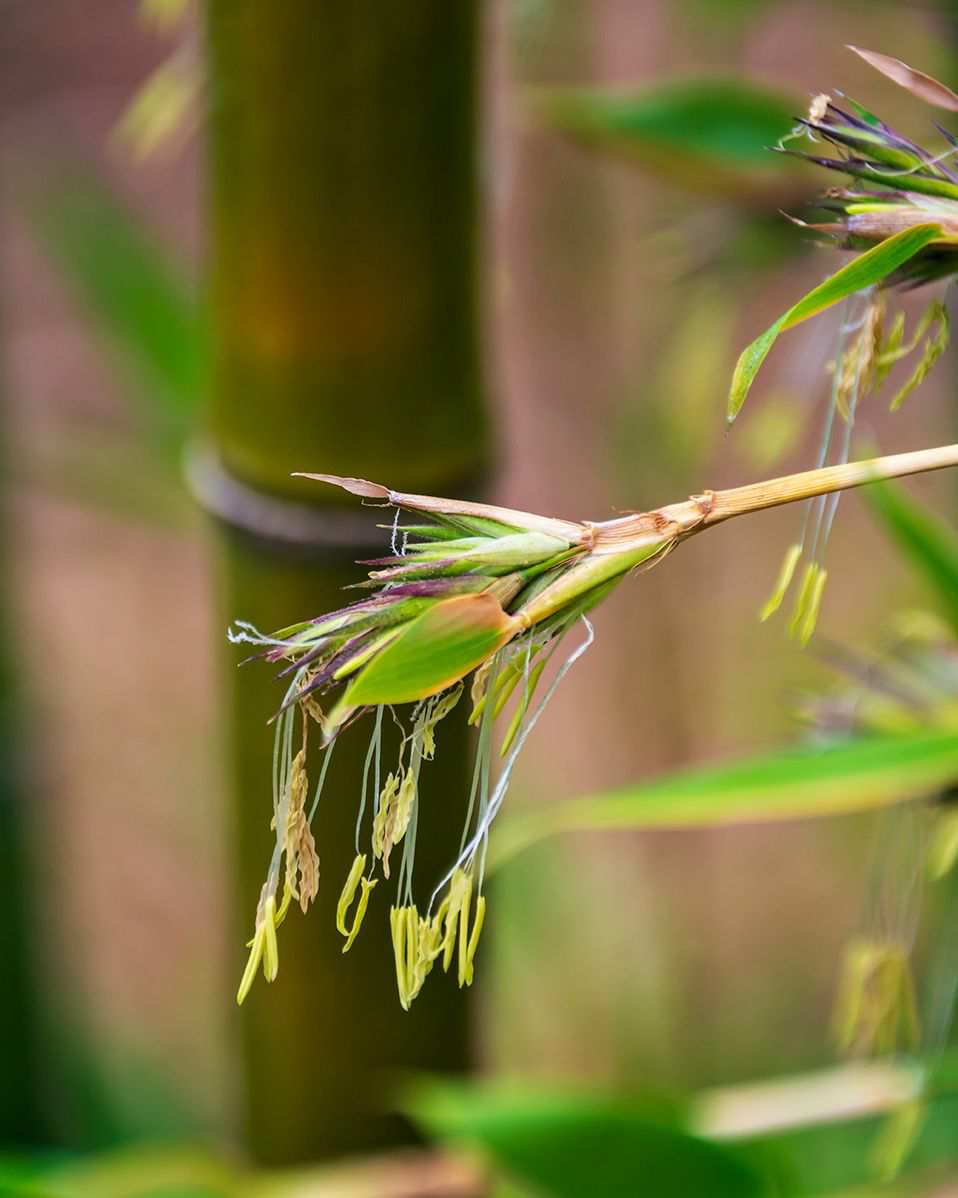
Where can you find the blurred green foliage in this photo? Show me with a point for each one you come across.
(790, 783)
(141, 301)
(575, 1144)
(709, 135)
(927, 543)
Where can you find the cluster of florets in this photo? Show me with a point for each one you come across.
(467, 589)
(897, 185)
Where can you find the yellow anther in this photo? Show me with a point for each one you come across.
(460, 887)
(270, 947)
(474, 937)
(349, 893)
(428, 947)
(943, 850)
(252, 964)
(784, 582)
(507, 682)
(397, 926)
(804, 596)
(814, 604)
(464, 910)
(404, 923)
(284, 905)
(367, 888)
(534, 675)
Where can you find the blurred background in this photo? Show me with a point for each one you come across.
(418, 244)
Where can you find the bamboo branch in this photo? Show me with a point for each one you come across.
(712, 507)
(740, 500)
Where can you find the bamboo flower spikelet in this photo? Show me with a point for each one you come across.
(467, 589)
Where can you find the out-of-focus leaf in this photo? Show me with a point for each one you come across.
(577, 1146)
(917, 82)
(160, 16)
(866, 270)
(164, 112)
(143, 305)
(784, 784)
(433, 651)
(927, 541)
(709, 135)
(148, 1172)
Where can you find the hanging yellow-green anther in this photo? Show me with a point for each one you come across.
(252, 964)
(876, 1011)
(454, 909)
(943, 850)
(270, 947)
(814, 606)
(356, 879)
(465, 961)
(366, 888)
(428, 947)
(786, 574)
(263, 948)
(506, 683)
(519, 714)
(804, 603)
(404, 924)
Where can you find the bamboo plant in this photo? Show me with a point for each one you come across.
(475, 589)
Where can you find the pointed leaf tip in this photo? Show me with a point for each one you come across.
(356, 486)
(917, 82)
(871, 267)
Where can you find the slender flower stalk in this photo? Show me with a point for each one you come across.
(474, 589)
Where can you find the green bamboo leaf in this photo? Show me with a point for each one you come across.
(433, 651)
(578, 1145)
(928, 542)
(784, 784)
(706, 134)
(866, 270)
(141, 302)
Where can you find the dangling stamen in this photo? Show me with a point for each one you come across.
(354, 880)
(502, 785)
(483, 753)
(371, 752)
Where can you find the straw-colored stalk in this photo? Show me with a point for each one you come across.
(614, 542)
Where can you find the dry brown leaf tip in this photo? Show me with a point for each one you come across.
(920, 84)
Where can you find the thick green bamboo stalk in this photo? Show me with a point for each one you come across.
(344, 320)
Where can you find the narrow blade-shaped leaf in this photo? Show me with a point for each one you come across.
(784, 784)
(867, 269)
(434, 651)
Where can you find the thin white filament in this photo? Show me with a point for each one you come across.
(502, 785)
